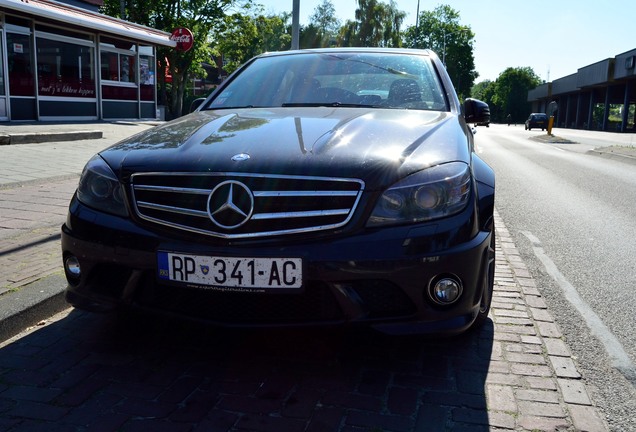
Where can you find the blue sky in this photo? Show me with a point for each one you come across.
(554, 38)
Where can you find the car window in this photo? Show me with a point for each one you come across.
(350, 79)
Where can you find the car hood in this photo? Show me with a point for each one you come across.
(375, 145)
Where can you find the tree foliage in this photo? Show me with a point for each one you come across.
(323, 28)
(237, 31)
(439, 30)
(508, 94)
(202, 17)
(376, 24)
(244, 36)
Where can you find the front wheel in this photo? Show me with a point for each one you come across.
(488, 282)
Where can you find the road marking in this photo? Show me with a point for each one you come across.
(619, 358)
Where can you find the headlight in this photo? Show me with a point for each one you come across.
(429, 194)
(100, 189)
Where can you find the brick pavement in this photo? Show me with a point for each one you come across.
(31, 216)
(517, 374)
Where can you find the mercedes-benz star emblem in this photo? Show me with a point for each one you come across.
(240, 157)
(230, 204)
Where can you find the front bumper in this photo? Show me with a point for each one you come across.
(379, 279)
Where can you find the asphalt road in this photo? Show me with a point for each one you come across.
(571, 214)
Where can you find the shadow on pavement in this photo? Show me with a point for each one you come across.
(131, 374)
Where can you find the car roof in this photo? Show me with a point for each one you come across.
(426, 52)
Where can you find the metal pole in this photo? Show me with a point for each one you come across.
(295, 25)
(417, 25)
(444, 51)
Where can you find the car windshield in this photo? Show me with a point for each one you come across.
(352, 79)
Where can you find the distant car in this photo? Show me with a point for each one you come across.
(537, 120)
(486, 123)
(313, 188)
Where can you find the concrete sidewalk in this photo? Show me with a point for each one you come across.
(532, 384)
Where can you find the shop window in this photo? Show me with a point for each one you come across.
(118, 60)
(65, 69)
(147, 73)
(118, 67)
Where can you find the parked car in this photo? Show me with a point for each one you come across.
(537, 120)
(312, 188)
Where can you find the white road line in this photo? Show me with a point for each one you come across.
(619, 358)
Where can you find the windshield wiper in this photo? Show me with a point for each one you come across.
(328, 104)
(227, 107)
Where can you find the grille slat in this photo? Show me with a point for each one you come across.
(275, 204)
(171, 209)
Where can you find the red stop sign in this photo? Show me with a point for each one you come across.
(183, 37)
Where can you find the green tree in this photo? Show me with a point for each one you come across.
(376, 24)
(202, 17)
(243, 37)
(324, 27)
(439, 30)
(511, 93)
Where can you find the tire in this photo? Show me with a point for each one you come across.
(487, 283)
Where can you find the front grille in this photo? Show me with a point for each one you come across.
(232, 205)
(382, 299)
(315, 303)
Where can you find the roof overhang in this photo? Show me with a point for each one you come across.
(90, 20)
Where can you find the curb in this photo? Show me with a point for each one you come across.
(39, 137)
(616, 153)
(31, 304)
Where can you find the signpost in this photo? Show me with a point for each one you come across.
(552, 108)
(183, 37)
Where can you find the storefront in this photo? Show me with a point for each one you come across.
(600, 96)
(59, 62)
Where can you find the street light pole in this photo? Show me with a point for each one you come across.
(417, 25)
(295, 25)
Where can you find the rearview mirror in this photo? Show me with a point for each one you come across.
(476, 111)
(196, 104)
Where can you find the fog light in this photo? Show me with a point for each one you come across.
(72, 266)
(446, 290)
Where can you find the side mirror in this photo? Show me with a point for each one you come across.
(196, 104)
(476, 111)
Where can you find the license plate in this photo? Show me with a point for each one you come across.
(231, 272)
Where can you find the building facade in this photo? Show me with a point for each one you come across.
(601, 96)
(64, 62)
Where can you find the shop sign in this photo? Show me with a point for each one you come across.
(183, 37)
(66, 89)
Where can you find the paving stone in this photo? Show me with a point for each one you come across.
(586, 419)
(547, 424)
(549, 329)
(564, 367)
(574, 391)
(501, 398)
(557, 347)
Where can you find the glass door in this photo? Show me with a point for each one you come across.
(3, 91)
(21, 78)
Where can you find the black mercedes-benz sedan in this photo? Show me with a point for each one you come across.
(312, 188)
